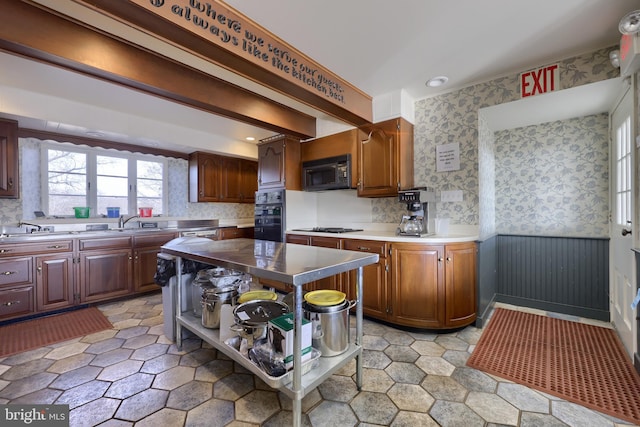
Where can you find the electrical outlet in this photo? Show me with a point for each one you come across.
(451, 196)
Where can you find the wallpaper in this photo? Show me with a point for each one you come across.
(553, 179)
(453, 117)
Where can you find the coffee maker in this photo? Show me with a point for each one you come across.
(420, 217)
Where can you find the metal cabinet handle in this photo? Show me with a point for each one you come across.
(625, 231)
(10, 303)
(440, 259)
(363, 248)
(39, 268)
(4, 251)
(448, 259)
(55, 247)
(8, 273)
(10, 183)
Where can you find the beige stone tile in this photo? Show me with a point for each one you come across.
(67, 350)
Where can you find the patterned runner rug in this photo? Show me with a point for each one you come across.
(580, 363)
(43, 331)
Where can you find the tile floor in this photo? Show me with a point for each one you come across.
(132, 375)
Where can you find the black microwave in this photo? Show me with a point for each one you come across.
(332, 173)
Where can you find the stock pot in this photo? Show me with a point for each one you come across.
(328, 312)
(252, 318)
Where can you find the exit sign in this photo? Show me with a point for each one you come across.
(539, 81)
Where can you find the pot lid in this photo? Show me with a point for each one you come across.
(324, 297)
(258, 312)
(257, 295)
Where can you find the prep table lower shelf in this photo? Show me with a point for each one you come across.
(326, 367)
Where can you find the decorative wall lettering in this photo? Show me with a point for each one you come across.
(222, 26)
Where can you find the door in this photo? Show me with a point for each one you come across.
(622, 280)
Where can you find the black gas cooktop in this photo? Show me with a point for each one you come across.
(329, 229)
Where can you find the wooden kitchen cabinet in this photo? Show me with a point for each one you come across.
(9, 178)
(145, 255)
(16, 287)
(55, 282)
(433, 286)
(375, 278)
(214, 178)
(235, 233)
(279, 163)
(105, 268)
(204, 177)
(337, 282)
(385, 158)
(248, 181)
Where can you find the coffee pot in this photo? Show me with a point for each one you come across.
(410, 224)
(419, 217)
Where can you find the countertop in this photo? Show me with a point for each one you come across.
(270, 260)
(390, 236)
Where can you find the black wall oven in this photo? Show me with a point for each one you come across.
(269, 215)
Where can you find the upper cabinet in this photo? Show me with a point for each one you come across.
(9, 159)
(279, 163)
(385, 158)
(214, 178)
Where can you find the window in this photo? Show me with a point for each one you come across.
(99, 179)
(623, 179)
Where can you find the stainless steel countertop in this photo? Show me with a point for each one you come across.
(284, 262)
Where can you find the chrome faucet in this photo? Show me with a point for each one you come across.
(122, 221)
(38, 227)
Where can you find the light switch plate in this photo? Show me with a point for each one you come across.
(451, 196)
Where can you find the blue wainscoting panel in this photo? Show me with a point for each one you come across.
(562, 274)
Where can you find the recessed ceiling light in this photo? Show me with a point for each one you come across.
(250, 138)
(437, 81)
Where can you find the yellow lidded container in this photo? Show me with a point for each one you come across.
(325, 297)
(257, 295)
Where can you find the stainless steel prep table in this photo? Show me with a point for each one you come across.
(296, 265)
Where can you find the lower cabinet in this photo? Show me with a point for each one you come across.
(412, 284)
(105, 274)
(145, 255)
(433, 287)
(375, 278)
(54, 282)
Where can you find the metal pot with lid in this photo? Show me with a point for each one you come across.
(252, 318)
(213, 299)
(328, 311)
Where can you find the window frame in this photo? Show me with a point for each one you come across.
(91, 173)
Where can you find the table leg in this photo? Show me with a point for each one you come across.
(178, 302)
(359, 326)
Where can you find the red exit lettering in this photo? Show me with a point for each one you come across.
(539, 81)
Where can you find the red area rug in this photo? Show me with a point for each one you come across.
(43, 331)
(580, 363)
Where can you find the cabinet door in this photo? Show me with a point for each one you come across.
(248, 180)
(230, 175)
(16, 302)
(460, 268)
(375, 278)
(104, 274)
(145, 261)
(385, 159)
(417, 285)
(54, 282)
(9, 180)
(333, 282)
(204, 177)
(271, 163)
(377, 164)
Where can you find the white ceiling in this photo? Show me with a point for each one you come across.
(379, 46)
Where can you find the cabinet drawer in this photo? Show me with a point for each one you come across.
(371, 246)
(36, 248)
(105, 243)
(16, 302)
(152, 239)
(16, 271)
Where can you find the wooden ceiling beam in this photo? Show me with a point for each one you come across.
(36, 33)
